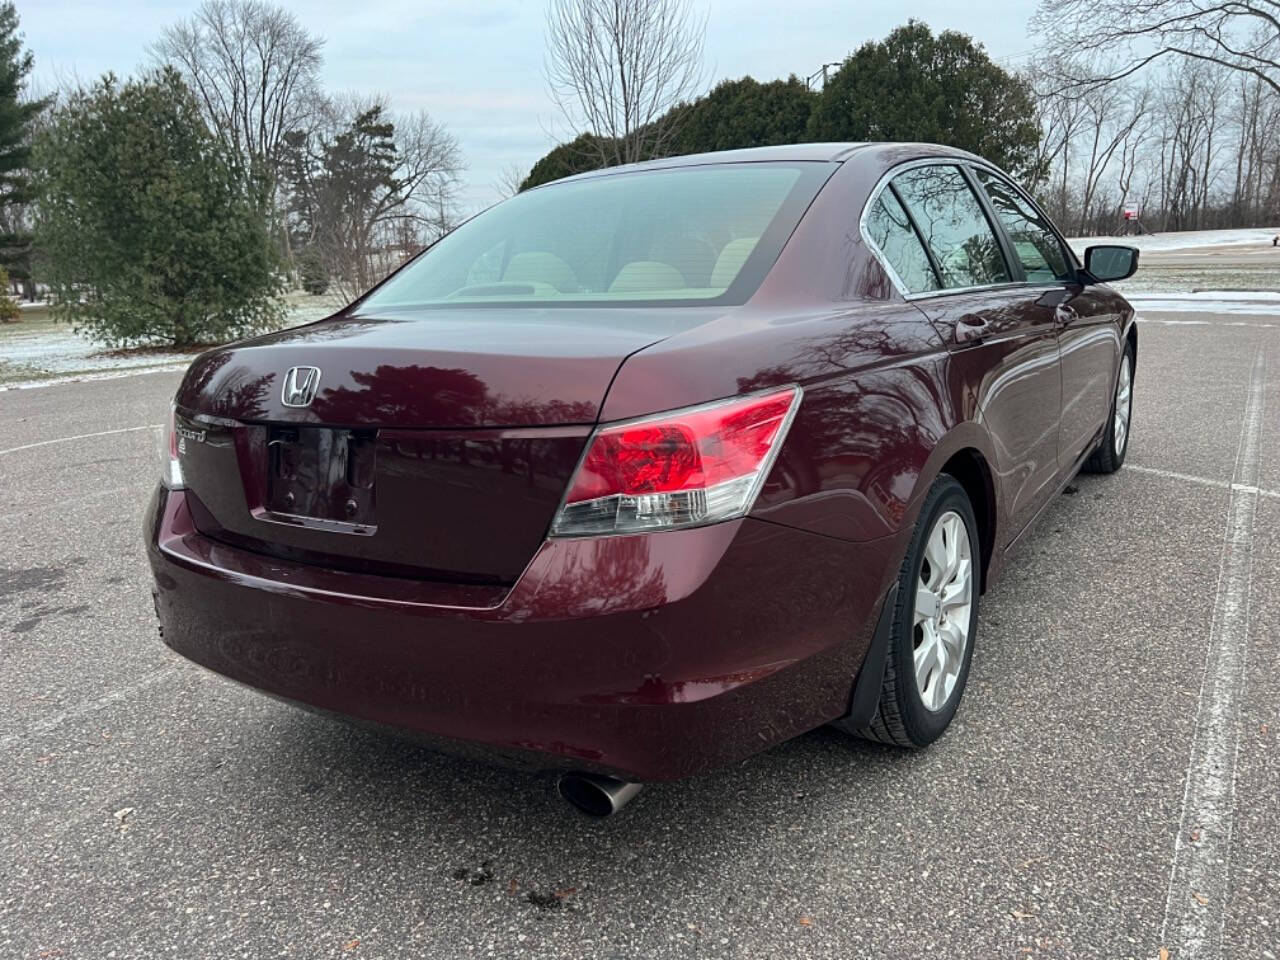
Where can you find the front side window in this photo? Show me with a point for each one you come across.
(681, 235)
(953, 224)
(1034, 242)
(890, 230)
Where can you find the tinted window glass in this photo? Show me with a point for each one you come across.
(891, 231)
(1033, 240)
(953, 225)
(681, 234)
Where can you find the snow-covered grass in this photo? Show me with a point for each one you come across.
(1209, 301)
(37, 350)
(1183, 240)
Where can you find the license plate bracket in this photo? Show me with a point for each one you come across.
(322, 473)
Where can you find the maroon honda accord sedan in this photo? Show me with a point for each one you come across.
(644, 471)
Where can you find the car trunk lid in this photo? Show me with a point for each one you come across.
(436, 445)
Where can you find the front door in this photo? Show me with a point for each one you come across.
(1088, 335)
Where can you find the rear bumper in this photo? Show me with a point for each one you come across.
(645, 657)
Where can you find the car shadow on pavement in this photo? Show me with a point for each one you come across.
(452, 820)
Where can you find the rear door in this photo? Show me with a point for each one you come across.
(1003, 341)
(1088, 333)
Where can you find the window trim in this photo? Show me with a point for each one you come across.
(1064, 247)
(984, 201)
(934, 269)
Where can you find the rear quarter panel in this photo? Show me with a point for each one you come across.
(883, 409)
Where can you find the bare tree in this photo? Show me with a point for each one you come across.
(1242, 35)
(509, 180)
(254, 70)
(1114, 118)
(617, 67)
(1189, 143)
(366, 189)
(1058, 116)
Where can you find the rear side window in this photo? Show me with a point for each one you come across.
(697, 234)
(955, 228)
(890, 230)
(1034, 242)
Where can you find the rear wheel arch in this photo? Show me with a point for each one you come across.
(967, 454)
(970, 468)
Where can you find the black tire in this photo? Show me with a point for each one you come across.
(1107, 458)
(901, 717)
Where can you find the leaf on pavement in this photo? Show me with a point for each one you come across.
(351, 944)
(1164, 954)
(1201, 898)
(805, 921)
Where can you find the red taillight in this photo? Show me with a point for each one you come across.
(676, 469)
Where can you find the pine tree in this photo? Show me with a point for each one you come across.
(148, 223)
(17, 118)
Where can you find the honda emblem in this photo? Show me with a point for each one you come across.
(300, 385)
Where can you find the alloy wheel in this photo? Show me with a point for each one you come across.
(943, 609)
(1124, 406)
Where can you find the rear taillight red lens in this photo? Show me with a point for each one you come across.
(678, 469)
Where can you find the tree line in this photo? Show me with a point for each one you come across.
(911, 86)
(179, 205)
(1169, 108)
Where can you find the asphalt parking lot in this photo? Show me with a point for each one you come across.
(1108, 788)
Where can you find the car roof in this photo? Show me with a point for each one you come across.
(811, 152)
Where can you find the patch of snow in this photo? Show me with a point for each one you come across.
(56, 356)
(61, 351)
(102, 375)
(1180, 240)
(1209, 301)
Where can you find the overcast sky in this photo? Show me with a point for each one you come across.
(477, 66)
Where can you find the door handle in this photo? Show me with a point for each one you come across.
(971, 328)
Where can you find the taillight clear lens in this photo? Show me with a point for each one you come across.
(679, 469)
(172, 476)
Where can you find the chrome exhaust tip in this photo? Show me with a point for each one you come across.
(595, 795)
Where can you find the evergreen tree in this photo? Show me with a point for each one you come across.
(579, 155)
(315, 275)
(17, 118)
(148, 222)
(914, 86)
(744, 113)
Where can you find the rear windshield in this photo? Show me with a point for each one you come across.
(699, 234)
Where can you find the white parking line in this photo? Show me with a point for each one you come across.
(1199, 879)
(92, 707)
(1202, 481)
(83, 436)
(1210, 323)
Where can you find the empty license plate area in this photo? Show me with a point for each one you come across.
(323, 474)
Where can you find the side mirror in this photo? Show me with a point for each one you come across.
(1107, 264)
